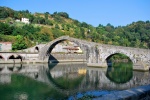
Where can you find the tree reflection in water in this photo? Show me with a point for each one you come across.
(120, 72)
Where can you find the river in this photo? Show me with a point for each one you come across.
(68, 81)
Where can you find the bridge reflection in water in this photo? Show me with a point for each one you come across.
(70, 78)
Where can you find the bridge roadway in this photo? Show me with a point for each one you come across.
(94, 78)
(95, 54)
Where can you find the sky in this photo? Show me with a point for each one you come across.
(94, 12)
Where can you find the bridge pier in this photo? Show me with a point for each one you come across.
(140, 66)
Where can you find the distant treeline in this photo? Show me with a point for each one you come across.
(45, 27)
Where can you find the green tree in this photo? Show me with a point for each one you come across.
(6, 29)
(63, 14)
(46, 15)
(57, 26)
(19, 44)
(82, 33)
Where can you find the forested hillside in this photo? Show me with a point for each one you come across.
(45, 27)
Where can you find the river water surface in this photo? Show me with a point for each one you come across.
(69, 81)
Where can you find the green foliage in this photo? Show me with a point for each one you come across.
(82, 31)
(120, 73)
(76, 22)
(7, 38)
(48, 22)
(62, 14)
(84, 24)
(118, 56)
(19, 44)
(57, 33)
(5, 29)
(57, 26)
(44, 37)
(67, 27)
(6, 12)
(136, 34)
(58, 19)
(46, 15)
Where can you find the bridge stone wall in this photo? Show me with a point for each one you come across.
(67, 57)
(96, 54)
(25, 57)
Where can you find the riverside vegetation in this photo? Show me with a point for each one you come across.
(45, 27)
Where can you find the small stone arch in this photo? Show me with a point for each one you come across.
(111, 54)
(19, 57)
(1, 69)
(1, 57)
(11, 57)
(37, 49)
(15, 57)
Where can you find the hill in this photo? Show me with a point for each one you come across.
(45, 27)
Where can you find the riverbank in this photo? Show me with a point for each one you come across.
(138, 93)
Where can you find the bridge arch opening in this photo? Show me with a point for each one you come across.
(37, 49)
(53, 45)
(1, 57)
(65, 50)
(120, 68)
(11, 57)
(19, 57)
(1, 69)
(15, 57)
(117, 57)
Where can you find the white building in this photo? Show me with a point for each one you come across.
(5, 46)
(25, 20)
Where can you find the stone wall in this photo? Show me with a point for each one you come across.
(5, 46)
(67, 57)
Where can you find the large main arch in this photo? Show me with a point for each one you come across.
(47, 49)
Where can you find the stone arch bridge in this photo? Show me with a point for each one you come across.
(96, 54)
